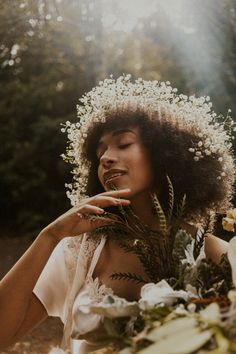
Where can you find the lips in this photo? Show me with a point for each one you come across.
(112, 174)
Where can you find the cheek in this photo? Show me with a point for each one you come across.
(144, 167)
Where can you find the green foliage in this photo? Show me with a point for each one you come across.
(169, 253)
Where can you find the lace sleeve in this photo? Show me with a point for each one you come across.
(54, 283)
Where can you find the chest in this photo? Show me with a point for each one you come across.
(113, 259)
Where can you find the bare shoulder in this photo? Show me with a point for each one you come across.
(215, 247)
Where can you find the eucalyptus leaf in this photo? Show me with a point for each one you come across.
(171, 328)
(184, 342)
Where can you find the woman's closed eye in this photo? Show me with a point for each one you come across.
(123, 146)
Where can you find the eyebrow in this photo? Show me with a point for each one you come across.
(119, 132)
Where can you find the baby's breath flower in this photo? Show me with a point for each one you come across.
(186, 113)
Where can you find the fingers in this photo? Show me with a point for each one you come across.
(89, 209)
(117, 192)
(95, 205)
(111, 198)
(105, 201)
(86, 211)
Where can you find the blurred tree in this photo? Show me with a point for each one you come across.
(39, 90)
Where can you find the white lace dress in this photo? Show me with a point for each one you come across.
(66, 284)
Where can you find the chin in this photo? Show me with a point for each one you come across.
(113, 186)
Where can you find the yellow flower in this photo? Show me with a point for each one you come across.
(231, 213)
(228, 224)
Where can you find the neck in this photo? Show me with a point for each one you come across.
(142, 207)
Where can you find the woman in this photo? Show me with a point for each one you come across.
(130, 136)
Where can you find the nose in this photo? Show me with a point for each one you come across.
(108, 158)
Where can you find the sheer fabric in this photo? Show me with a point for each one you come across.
(66, 286)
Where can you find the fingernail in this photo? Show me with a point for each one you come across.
(100, 211)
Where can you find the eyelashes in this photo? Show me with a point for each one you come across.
(123, 146)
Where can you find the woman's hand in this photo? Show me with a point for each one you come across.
(75, 221)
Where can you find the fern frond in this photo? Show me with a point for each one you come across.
(179, 215)
(181, 208)
(135, 222)
(171, 199)
(202, 234)
(199, 241)
(160, 214)
(129, 277)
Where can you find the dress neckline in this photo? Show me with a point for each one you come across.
(96, 288)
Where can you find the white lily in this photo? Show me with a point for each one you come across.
(156, 294)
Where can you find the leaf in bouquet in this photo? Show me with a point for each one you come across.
(184, 342)
(202, 234)
(172, 327)
(157, 313)
(129, 277)
(171, 198)
(179, 216)
(182, 239)
(100, 336)
(114, 307)
(199, 243)
(160, 214)
(222, 343)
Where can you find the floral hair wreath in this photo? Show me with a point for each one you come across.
(190, 113)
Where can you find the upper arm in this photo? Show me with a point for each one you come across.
(215, 247)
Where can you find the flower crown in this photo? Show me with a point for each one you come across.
(189, 113)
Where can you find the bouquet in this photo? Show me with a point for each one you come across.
(187, 305)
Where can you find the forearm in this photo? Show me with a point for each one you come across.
(16, 287)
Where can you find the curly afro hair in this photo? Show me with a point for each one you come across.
(168, 146)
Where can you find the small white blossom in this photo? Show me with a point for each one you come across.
(160, 293)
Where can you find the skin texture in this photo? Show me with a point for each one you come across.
(117, 151)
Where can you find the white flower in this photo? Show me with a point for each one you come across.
(229, 221)
(160, 293)
(114, 306)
